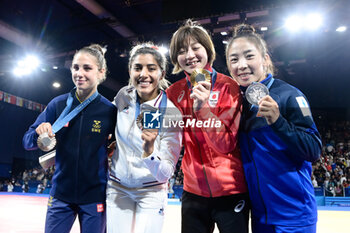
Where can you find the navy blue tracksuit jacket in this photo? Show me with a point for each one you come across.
(277, 158)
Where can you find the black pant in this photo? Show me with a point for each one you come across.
(230, 213)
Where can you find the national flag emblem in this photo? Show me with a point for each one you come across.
(19, 101)
(30, 105)
(304, 106)
(100, 208)
(7, 98)
(213, 98)
(13, 99)
(37, 106)
(126, 110)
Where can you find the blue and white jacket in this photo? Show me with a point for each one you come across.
(81, 168)
(277, 158)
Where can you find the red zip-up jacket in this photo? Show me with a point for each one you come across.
(211, 163)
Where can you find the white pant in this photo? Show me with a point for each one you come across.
(135, 210)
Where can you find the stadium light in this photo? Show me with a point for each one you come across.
(21, 71)
(313, 21)
(163, 50)
(32, 61)
(294, 23)
(56, 85)
(309, 22)
(26, 66)
(341, 29)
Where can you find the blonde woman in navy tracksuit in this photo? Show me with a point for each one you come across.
(80, 179)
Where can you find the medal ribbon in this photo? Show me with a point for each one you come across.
(66, 116)
(269, 80)
(162, 108)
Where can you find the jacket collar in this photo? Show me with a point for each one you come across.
(132, 95)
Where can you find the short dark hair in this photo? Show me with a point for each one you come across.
(180, 40)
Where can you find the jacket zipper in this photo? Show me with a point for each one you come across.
(79, 143)
(262, 200)
(200, 155)
(258, 184)
(256, 170)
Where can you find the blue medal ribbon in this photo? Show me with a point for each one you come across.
(66, 116)
(137, 107)
(268, 81)
(162, 108)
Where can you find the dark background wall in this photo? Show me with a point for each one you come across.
(15, 121)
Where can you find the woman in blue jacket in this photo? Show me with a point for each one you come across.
(80, 178)
(278, 140)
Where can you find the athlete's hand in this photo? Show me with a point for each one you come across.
(268, 108)
(44, 127)
(148, 136)
(200, 94)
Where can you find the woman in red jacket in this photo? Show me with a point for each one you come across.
(214, 185)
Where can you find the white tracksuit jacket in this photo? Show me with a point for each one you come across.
(128, 167)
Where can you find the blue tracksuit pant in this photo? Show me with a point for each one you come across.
(60, 217)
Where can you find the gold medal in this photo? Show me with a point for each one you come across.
(46, 143)
(200, 75)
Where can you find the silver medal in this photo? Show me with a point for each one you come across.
(46, 143)
(255, 92)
